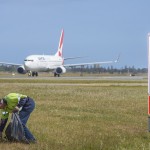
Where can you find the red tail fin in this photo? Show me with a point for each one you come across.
(60, 46)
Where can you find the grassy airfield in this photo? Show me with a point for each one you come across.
(84, 115)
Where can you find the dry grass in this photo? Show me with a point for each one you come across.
(87, 115)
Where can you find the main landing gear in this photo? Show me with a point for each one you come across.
(32, 74)
(55, 74)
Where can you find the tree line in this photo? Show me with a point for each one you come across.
(95, 69)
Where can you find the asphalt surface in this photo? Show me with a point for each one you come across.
(76, 78)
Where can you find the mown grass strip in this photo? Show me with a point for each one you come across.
(84, 117)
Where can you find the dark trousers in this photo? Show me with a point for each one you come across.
(24, 115)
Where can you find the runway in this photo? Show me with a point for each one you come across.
(76, 77)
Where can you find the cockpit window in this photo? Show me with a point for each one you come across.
(28, 60)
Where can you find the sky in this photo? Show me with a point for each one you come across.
(98, 30)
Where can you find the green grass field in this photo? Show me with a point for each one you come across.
(84, 115)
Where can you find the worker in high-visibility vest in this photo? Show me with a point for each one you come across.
(24, 105)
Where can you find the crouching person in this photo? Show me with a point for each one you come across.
(24, 105)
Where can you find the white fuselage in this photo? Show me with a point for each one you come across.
(42, 63)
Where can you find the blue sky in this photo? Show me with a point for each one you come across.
(97, 29)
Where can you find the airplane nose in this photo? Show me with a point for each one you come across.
(26, 64)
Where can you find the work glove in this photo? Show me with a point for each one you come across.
(15, 110)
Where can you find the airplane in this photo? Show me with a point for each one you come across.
(45, 63)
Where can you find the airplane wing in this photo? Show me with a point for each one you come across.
(92, 63)
(11, 64)
(73, 57)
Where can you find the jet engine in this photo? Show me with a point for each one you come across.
(59, 70)
(21, 70)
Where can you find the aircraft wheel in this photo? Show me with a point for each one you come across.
(33, 73)
(55, 74)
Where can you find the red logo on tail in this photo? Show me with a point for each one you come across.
(59, 54)
(61, 39)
